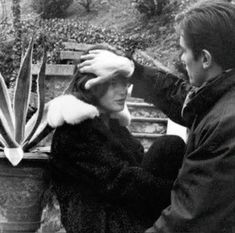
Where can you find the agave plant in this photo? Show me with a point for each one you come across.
(16, 135)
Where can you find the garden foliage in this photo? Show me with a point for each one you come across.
(6, 60)
(87, 4)
(150, 7)
(56, 31)
(51, 8)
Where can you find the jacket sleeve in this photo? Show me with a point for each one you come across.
(203, 196)
(86, 155)
(165, 90)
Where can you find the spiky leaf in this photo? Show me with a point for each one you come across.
(1, 141)
(22, 94)
(14, 155)
(6, 137)
(34, 122)
(5, 106)
(42, 130)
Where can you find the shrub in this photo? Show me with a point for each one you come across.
(150, 7)
(6, 60)
(87, 4)
(57, 31)
(51, 8)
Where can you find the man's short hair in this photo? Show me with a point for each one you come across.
(210, 25)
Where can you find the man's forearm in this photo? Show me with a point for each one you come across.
(165, 90)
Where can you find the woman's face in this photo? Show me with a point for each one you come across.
(114, 98)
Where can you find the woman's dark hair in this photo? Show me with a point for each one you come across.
(77, 85)
(210, 25)
(77, 88)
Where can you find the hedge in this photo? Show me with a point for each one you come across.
(56, 31)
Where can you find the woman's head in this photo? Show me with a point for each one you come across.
(109, 97)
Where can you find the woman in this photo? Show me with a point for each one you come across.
(96, 163)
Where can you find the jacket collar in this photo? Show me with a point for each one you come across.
(200, 100)
(69, 109)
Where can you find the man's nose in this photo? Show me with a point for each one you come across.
(182, 58)
(182, 61)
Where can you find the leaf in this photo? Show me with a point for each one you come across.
(1, 141)
(32, 125)
(14, 155)
(7, 138)
(5, 106)
(42, 130)
(69, 88)
(22, 94)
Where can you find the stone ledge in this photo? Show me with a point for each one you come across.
(70, 55)
(55, 69)
(76, 46)
(149, 120)
(30, 156)
(146, 135)
(140, 104)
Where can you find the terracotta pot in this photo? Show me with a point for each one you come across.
(21, 193)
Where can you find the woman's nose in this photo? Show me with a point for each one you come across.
(123, 90)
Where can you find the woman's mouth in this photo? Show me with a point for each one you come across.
(121, 101)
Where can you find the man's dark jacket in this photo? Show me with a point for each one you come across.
(203, 195)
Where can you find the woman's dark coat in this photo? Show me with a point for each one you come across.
(203, 195)
(97, 176)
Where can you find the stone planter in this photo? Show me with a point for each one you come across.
(21, 193)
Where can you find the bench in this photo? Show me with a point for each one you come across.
(55, 69)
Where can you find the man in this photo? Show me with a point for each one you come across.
(203, 195)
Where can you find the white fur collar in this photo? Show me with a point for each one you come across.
(69, 109)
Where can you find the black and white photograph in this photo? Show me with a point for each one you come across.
(117, 116)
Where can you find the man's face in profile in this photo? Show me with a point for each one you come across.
(194, 67)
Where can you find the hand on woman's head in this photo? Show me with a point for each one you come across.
(105, 65)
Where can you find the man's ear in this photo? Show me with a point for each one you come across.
(206, 59)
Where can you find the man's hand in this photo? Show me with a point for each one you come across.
(105, 65)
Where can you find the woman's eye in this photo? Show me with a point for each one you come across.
(114, 83)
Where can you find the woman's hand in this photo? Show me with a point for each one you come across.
(105, 65)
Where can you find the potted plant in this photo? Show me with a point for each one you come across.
(21, 172)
